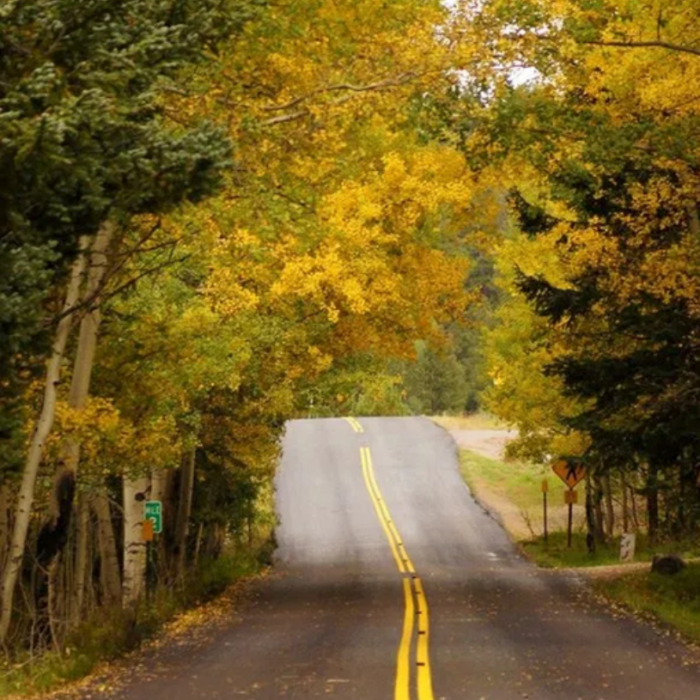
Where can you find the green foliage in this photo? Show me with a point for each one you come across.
(84, 136)
(437, 382)
(226, 493)
(603, 155)
(452, 377)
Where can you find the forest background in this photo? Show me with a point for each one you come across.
(219, 215)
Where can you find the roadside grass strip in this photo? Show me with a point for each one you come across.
(671, 600)
(416, 606)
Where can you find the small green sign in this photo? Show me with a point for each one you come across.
(153, 511)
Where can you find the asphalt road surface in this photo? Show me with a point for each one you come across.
(394, 584)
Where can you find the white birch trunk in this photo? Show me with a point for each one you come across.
(87, 342)
(4, 523)
(42, 429)
(78, 394)
(134, 545)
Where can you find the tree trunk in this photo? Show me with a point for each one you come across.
(598, 519)
(4, 522)
(184, 509)
(159, 479)
(609, 509)
(82, 371)
(159, 485)
(652, 493)
(198, 546)
(688, 499)
(590, 515)
(625, 505)
(42, 429)
(81, 559)
(53, 603)
(635, 514)
(165, 483)
(110, 579)
(134, 545)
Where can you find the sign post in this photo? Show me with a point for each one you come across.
(570, 498)
(153, 512)
(545, 488)
(570, 473)
(147, 531)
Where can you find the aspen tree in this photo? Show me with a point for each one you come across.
(25, 497)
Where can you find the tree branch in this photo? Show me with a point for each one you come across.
(647, 44)
(340, 87)
(286, 118)
(349, 87)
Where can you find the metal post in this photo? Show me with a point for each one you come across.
(544, 503)
(571, 519)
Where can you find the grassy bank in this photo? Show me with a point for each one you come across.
(673, 600)
(513, 491)
(110, 634)
(519, 482)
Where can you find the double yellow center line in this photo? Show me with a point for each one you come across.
(416, 606)
(355, 425)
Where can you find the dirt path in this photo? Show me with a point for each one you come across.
(489, 443)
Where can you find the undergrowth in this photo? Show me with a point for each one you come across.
(555, 553)
(110, 634)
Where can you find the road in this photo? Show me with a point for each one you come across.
(392, 583)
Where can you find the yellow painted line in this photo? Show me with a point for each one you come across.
(355, 425)
(403, 554)
(413, 610)
(366, 472)
(425, 679)
(403, 661)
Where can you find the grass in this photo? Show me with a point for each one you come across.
(470, 421)
(519, 482)
(674, 600)
(513, 490)
(555, 553)
(110, 635)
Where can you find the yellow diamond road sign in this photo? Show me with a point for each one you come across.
(569, 472)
